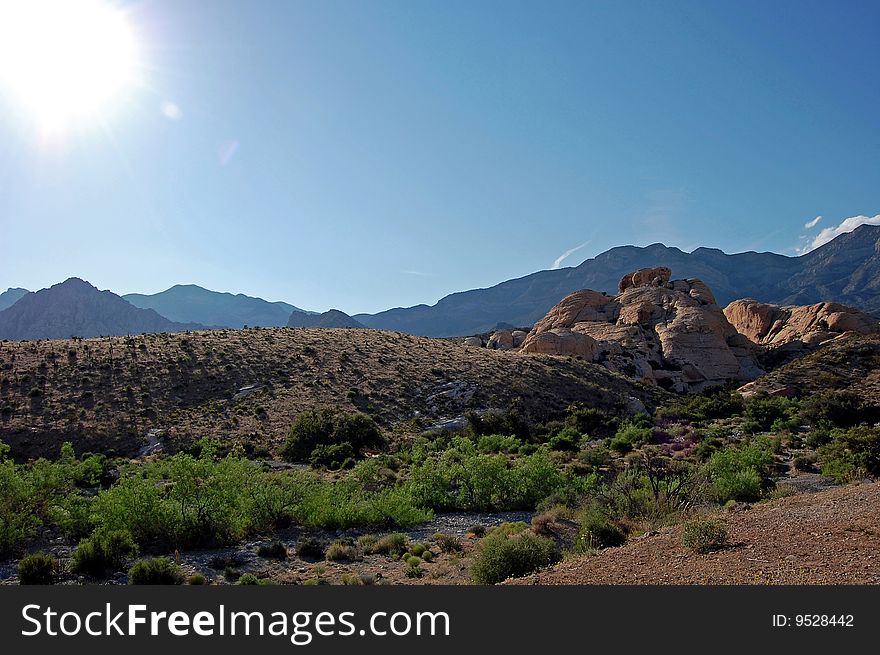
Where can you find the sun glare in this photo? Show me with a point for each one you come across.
(65, 62)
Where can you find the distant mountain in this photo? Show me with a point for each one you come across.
(76, 308)
(329, 319)
(9, 297)
(845, 270)
(189, 303)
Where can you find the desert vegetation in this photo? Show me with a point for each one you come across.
(590, 481)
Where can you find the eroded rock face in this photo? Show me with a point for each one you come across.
(773, 326)
(644, 276)
(501, 340)
(672, 333)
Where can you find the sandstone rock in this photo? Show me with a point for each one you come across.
(672, 333)
(645, 276)
(518, 337)
(812, 325)
(561, 341)
(473, 342)
(501, 340)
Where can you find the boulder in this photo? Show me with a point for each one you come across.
(671, 333)
(473, 342)
(773, 326)
(518, 337)
(645, 276)
(501, 340)
(561, 341)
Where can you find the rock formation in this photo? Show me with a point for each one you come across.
(669, 332)
(774, 326)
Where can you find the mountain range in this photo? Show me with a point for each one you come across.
(76, 308)
(845, 270)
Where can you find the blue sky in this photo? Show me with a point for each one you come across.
(366, 155)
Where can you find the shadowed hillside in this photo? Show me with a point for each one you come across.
(107, 394)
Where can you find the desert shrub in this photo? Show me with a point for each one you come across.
(597, 530)
(18, 508)
(250, 579)
(763, 411)
(830, 409)
(155, 571)
(502, 556)
(275, 550)
(806, 462)
(196, 579)
(414, 570)
(594, 458)
(498, 443)
(340, 551)
(567, 439)
(740, 473)
(630, 436)
(461, 479)
(310, 549)
(590, 421)
(447, 543)
(496, 421)
(345, 504)
(704, 535)
(39, 568)
(413, 560)
(367, 543)
(391, 544)
(333, 456)
(327, 427)
(105, 551)
(851, 453)
(418, 549)
(713, 403)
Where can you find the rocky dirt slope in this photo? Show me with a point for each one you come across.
(107, 395)
(829, 537)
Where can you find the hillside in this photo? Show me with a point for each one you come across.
(248, 385)
(828, 537)
(843, 270)
(850, 363)
(76, 308)
(188, 303)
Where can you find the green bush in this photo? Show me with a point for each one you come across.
(714, 403)
(763, 411)
(567, 439)
(326, 427)
(498, 443)
(591, 421)
(333, 456)
(155, 571)
(629, 437)
(39, 568)
(704, 535)
(250, 579)
(18, 508)
(851, 454)
(741, 473)
(502, 556)
(196, 579)
(104, 552)
(598, 531)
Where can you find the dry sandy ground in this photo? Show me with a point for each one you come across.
(830, 537)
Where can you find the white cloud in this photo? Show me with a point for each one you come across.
(417, 273)
(830, 233)
(558, 261)
(171, 110)
(809, 225)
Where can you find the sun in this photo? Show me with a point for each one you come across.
(66, 62)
